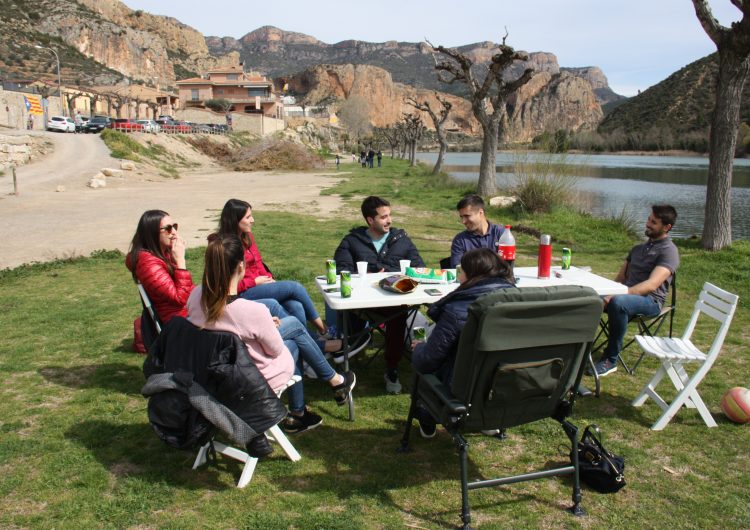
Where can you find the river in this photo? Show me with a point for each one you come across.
(611, 185)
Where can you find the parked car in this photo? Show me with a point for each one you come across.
(150, 126)
(165, 117)
(97, 124)
(176, 127)
(61, 124)
(125, 125)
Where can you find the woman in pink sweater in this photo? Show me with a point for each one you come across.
(275, 346)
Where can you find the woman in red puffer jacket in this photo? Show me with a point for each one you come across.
(157, 260)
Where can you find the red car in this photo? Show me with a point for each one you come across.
(176, 127)
(125, 125)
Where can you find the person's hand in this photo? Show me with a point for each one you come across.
(382, 270)
(276, 321)
(178, 252)
(606, 300)
(414, 344)
(260, 280)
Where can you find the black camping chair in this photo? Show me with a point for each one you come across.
(150, 323)
(647, 326)
(520, 359)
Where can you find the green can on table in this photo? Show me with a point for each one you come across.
(566, 258)
(330, 272)
(346, 284)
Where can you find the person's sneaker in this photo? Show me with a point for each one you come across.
(605, 367)
(293, 424)
(392, 384)
(495, 433)
(259, 447)
(427, 424)
(341, 392)
(360, 344)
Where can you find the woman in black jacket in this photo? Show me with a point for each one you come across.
(482, 271)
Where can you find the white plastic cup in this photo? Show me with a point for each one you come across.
(361, 268)
(403, 263)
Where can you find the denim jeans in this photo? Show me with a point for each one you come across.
(304, 349)
(620, 310)
(273, 306)
(291, 295)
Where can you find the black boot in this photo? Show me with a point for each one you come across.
(259, 447)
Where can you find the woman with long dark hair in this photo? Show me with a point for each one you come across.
(278, 352)
(157, 260)
(258, 283)
(482, 271)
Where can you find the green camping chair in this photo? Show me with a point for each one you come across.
(520, 359)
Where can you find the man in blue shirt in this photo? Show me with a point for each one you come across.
(479, 233)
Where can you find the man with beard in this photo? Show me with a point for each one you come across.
(381, 246)
(648, 271)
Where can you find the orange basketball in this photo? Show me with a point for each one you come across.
(736, 404)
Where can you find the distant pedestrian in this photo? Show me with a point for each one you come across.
(370, 158)
(380, 158)
(338, 161)
(30, 124)
(363, 158)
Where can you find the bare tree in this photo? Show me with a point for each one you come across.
(438, 122)
(733, 45)
(488, 98)
(413, 129)
(354, 113)
(391, 136)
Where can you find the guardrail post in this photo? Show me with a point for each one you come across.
(15, 183)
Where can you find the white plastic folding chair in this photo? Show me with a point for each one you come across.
(274, 434)
(675, 353)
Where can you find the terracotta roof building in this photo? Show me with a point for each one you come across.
(248, 92)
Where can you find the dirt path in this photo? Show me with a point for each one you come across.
(42, 224)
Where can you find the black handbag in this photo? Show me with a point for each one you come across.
(599, 469)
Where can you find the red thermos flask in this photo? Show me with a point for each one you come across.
(544, 261)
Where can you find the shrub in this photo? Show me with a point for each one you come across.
(218, 105)
(543, 182)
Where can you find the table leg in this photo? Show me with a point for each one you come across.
(345, 333)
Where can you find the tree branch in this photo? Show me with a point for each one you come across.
(711, 26)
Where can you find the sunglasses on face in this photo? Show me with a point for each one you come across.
(169, 228)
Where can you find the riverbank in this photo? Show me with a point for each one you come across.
(70, 386)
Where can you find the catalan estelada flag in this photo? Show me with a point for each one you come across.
(33, 105)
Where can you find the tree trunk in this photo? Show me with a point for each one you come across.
(443, 148)
(717, 225)
(487, 186)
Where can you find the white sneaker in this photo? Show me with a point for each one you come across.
(392, 384)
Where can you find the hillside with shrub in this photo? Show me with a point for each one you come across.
(674, 114)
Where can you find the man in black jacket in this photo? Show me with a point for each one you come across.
(382, 247)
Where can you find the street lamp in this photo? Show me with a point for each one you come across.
(59, 84)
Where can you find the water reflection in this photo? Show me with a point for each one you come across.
(611, 184)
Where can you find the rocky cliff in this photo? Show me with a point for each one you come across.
(281, 53)
(548, 102)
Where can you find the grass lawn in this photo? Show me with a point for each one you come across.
(76, 450)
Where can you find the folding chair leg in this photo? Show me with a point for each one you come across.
(572, 432)
(649, 389)
(463, 455)
(404, 448)
(277, 435)
(247, 470)
(597, 382)
(687, 393)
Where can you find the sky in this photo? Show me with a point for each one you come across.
(636, 43)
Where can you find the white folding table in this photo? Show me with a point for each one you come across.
(366, 294)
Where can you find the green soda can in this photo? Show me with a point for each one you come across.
(566, 258)
(458, 272)
(346, 284)
(330, 272)
(420, 333)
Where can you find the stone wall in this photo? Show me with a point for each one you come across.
(13, 113)
(254, 123)
(17, 149)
